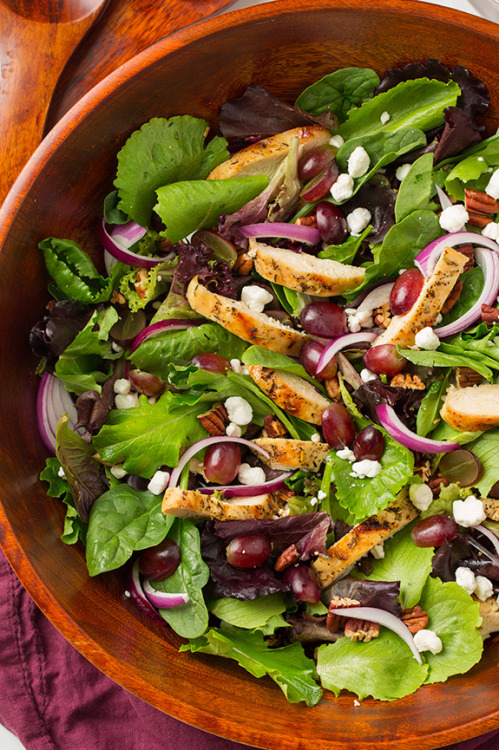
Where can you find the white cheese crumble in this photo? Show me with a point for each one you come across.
(159, 482)
(367, 376)
(61, 473)
(356, 703)
(491, 231)
(116, 347)
(313, 501)
(239, 410)
(492, 188)
(233, 430)
(384, 117)
(255, 297)
(357, 220)
(126, 401)
(342, 189)
(402, 171)
(237, 366)
(378, 551)
(426, 338)
(365, 469)
(427, 640)
(346, 454)
(453, 218)
(358, 162)
(118, 471)
(252, 252)
(251, 474)
(357, 320)
(321, 495)
(484, 588)
(421, 496)
(315, 437)
(469, 512)
(122, 385)
(466, 579)
(336, 141)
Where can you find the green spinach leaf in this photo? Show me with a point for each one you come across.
(346, 252)
(429, 410)
(338, 92)
(473, 282)
(253, 614)
(416, 188)
(486, 449)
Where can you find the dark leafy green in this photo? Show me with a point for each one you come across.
(346, 252)
(416, 188)
(429, 410)
(74, 528)
(339, 92)
(73, 271)
(473, 282)
(446, 356)
(258, 356)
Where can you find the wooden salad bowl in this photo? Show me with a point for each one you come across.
(283, 46)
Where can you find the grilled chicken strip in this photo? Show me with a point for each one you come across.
(472, 408)
(293, 454)
(292, 393)
(193, 504)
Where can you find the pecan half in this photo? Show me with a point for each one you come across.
(286, 558)
(139, 285)
(216, 420)
(476, 200)
(333, 388)
(490, 314)
(470, 254)
(423, 469)
(404, 380)
(466, 376)
(382, 316)
(361, 630)
(415, 618)
(243, 264)
(333, 621)
(477, 219)
(436, 485)
(117, 298)
(273, 426)
(307, 221)
(453, 297)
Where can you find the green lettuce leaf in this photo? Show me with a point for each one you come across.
(254, 614)
(74, 528)
(486, 449)
(122, 521)
(73, 271)
(418, 103)
(159, 153)
(346, 252)
(473, 171)
(258, 356)
(416, 188)
(454, 616)
(154, 284)
(384, 668)
(287, 666)
(293, 302)
(339, 92)
(189, 620)
(85, 364)
(185, 207)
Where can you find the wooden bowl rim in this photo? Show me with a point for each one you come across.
(42, 595)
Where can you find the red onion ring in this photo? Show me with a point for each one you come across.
(348, 339)
(490, 536)
(171, 324)
(118, 249)
(308, 235)
(444, 199)
(403, 435)
(52, 401)
(137, 595)
(243, 490)
(161, 599)
(427, 258)
(376, 297)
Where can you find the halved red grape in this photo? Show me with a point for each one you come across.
(303, 583)
(248, 551)
(221, 248)
(369, 444)
(146, 382)
(384, 359)
(406, 290)
(460, 466)
(331, 223)
(309, 357)
(159, 562)
(320, 185)
(324, 319)
(221, 462)
(212, 362)
(129, 325)
(337, 426)
(311, 163)
(433, 531)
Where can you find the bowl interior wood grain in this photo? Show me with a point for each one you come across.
(283, 46)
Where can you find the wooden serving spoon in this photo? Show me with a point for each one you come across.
(36, 39)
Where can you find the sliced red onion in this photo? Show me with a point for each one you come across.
(163, 600)
(363, 294)
(52, 402)
(490, 535)
(342, 342)
(403, 435)
(117, 247)
(137, 595)
(444, 199)
(376, 297)
(381, 616)
(205, 443)
(489, 263)
(308, 235)
(171, 324)
(483, 550)
(426, 260)
(243, 490)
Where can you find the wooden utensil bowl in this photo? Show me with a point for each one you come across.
(283, 46)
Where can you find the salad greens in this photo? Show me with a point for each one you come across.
(240, 456)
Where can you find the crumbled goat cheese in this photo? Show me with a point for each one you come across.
(116, 347)
(122, 385)
(421, 496)
(346, 454)
(384, 117)
(491, 231)
(357, 220)
(439, 319)
(159, 482)
(239, 410)
(233, 430)
(118, 471)
(365, 469)
(402, 172)
(357, 320)
(196, 466)
(358, 162)
(453, 218)
(342, 189)
(367, 376)
(315, 437)
(492, 188)
(356, 703)
(378, 551)
(337, 141)
(469, 512)
(61, 473)
(321, 495)
(427, 640)
(127, 594)
(426, 338)
(126, 401)
(252, 252)
(313, 501)
(484, 588)
(238, 367)
(255, 297)
(466, 578)
(251, 474)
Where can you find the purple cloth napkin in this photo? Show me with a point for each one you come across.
(52, 698)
